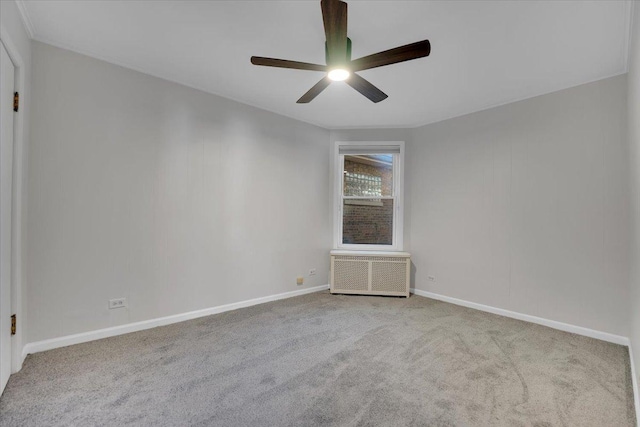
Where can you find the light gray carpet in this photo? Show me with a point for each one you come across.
(324, 359)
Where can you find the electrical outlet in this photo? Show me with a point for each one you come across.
(300, 280)
(117, 303)
(312, 272)
(431, 278)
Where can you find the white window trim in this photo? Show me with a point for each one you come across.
(398, 182)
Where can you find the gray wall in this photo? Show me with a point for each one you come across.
(181, 200)
(633, 102)
(176, 199)
(525, 207)
(12, 27)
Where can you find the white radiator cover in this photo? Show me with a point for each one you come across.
(370, 272)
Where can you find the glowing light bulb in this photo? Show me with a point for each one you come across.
(339, 74)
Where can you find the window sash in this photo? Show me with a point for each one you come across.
(362, 148)
(395, 151)
(367, 197)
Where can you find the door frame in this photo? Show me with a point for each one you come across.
(18, 200)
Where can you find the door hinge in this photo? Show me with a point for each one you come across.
(16, 101)
(13, 324)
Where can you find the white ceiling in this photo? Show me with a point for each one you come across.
(484, 53)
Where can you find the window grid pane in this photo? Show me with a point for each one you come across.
(358, 184)
(367, 175)
(367, 222)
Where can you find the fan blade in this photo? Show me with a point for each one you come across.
(334, 16)
(392, 56)
(366, 88)
(314, 91)
(284, 63)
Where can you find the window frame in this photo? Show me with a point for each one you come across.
(398, 192)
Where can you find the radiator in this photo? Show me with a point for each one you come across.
(370, 273)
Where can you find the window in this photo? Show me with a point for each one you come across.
(368, 195)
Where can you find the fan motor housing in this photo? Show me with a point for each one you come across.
(328, 59)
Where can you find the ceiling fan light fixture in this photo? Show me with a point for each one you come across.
(338, 74)
(340, 66)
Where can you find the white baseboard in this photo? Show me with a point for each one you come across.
(604, 336)
(50, 344)
(634, 382)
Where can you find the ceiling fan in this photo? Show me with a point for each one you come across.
(340, 66)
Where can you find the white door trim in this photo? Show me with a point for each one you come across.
(7, 88)
(19, 199)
